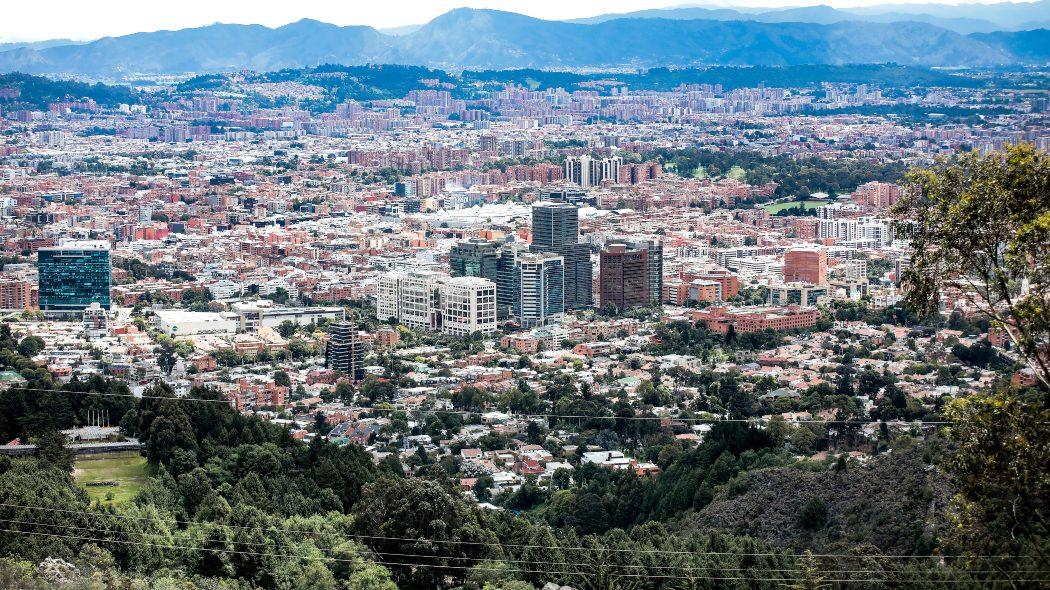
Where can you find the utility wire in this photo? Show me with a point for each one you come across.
(513, 545)
(475, 567)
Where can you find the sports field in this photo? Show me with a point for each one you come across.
(111, 479)
(809, 204)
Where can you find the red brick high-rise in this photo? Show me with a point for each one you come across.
(623, 277)
(807, 265)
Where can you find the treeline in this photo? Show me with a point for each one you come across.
(374, 82)
(795, 177)
(38, 405)
(236, 501)
(37, 91)
(666, 79)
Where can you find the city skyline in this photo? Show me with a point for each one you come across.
(76, 21)
(648, 299)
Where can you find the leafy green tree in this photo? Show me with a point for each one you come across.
(378, 389)
(287, 329)
(814, 515)
(449, 531)
(999, 467)
(37, 483)
(51, 450)
(30, 346)
(983, 223)
(369, 577)
(282, 378)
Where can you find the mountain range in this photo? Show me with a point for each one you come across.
(488, 39)
(964, 19)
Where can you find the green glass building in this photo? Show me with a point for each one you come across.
(73, 276)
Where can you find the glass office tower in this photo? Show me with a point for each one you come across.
(73, 276)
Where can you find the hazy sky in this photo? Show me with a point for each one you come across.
(79, 19)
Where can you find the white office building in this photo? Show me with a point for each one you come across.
(178, 322)
(468, 305)
(412, 297)
(862, 231)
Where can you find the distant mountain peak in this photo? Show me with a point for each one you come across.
(493, 39)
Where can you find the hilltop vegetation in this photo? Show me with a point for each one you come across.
(854, 505)
(37, 92)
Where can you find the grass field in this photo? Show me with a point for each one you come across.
(127, 471)
(810, 204)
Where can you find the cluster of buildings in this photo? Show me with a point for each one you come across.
(276, 254)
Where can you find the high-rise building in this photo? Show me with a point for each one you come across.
(655, 266)
(488, 143)
(474, 258)
(587, 172)
(807, 265)
(412, 297)
(508, 279)
(581, 170)
(556, 229)
(554, 225)
(468, 305)
(405, 188)
(344, 351)
(542, 295)
(73, 276)
(610, 169)
(17, 293)
(623, 277)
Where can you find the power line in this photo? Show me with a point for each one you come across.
(426, 556)
(126, 395)
(474, 567)
(507, 559)
(513, 545)
(336, 559)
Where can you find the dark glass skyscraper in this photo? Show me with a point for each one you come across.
(474, 258)
(556, 228)
(73, 276)
(344, 351)
(554, 225)
(508, 279)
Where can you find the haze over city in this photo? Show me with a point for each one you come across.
(68, 19)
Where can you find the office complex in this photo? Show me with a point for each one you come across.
(541, 277)
(623, 278)
(426, 300)
(556, 229)
(344, 351)
(508, 279)
(474, 258)
(468, 306)
(73, 276)
(412, 297)
(654, 266)
(807, 265)
(405, 188)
